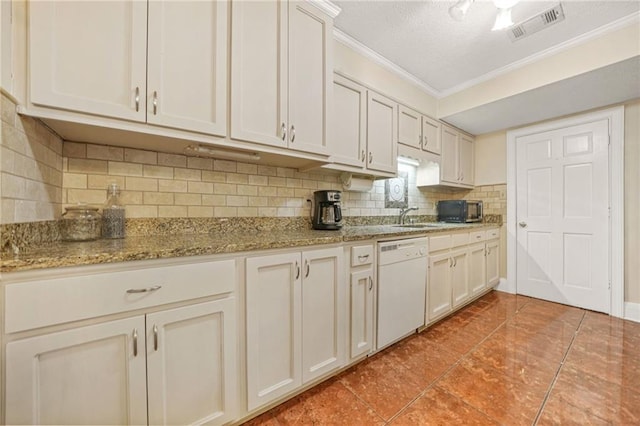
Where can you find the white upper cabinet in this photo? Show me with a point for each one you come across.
(92, 58)
(89, 57)
(431, 135)
(457, 158)
(348, 142)
(382, 130)
(417, 130)
(281, 70)
(187, 72)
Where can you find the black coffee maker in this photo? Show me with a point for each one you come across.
(326, 210)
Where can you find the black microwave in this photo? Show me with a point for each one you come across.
(459, 211)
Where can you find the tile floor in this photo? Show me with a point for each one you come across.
(503, 360)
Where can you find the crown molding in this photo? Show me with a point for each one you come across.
(327, 7)
(626, 21)
(382, 61)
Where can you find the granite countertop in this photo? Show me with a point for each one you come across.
(61, 254)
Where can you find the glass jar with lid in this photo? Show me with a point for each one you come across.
(81, 223)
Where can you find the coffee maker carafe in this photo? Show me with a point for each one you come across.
(326, 210)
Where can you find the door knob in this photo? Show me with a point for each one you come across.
(523, 224)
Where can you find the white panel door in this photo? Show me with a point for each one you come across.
(431, 135)
(274, 318)
(493, 262)
(259, 71)
(460, 277)
(361, 312)
(449, 169)
(89, 56)
(323, 312)
(87, 375)
(348, 141)
(191, 364)
(439, 286)
(187, 72)
(477, 268)
(382, 123)
(562, 211)
(409, 127)
(310, 77)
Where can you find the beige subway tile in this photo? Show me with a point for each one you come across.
(13, 186)
(7, 159)
(74, 150)
(141, 184)
(141, 211)
(200, 211)
(247, 190)
(224, 188)
(285, 212)
(246, 168)
(258, 201)
(8, 111)
(200, 187)
(47, 211)
(225, 212)
(247, 212)
(172, 185)
(294, 183)
(267, 170)
(172, 160)
(277, 181)
(258, 180)
(14, 140)
(277, 202)
(187, 174)
(303, 193)
(173, 211)
(157, 171)
(237, 201)
(74, 180)
(295, 202)
(237, 178)
(285, 172)
(267, 191)
(86, 196)
(165, 198)
(25, 210)
(128, 198)
(105, 152)
(267, 211)
(187, 199)
(103, 181)
(200, 163)
(224, 166)
(214, 200)
(7, 211)
(123, 169)
(210, 176)
(286, 192)
(310, 184)
(140, 156)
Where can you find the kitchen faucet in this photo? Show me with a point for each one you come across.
(403, 213)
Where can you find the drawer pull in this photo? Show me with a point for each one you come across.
(363, 257)
(307, 267)
(297, 270)
(135, 342)
(370, 283)
(155, 337)
(144, 290)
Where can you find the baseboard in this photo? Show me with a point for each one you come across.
(632, 311)
(503, 286)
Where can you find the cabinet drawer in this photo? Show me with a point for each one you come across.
(41, 303)
(493, 233)
(458, 240)
(477, 236)
(440, 242)
(361, 255)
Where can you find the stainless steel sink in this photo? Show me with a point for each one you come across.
(418, 225)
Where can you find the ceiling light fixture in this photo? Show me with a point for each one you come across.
(503, 18)
(459, 10)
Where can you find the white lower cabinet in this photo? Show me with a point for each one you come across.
(439, 286)
(362, 306)
(296, 315)
(493, 262)
(460, 277)
(477, 268)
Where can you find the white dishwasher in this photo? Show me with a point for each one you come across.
(402, 283)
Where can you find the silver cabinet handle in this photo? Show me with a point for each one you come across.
(284, 131)
(144, 290)
(426, 142)
(370, 283)
(135, 342)
(307, 268)
(297, 270)
(420, 140)
(363, 156)
(155, 102)
(137, 99)
(370, 157)
(155, 337)
(450, 263)
(523, 224)
(363, 257)
(293, 133)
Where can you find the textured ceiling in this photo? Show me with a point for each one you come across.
(447, 55)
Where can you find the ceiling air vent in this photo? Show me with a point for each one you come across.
(537, 23)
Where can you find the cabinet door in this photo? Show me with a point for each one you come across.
(259, 71)
(381, 133)
(460, 277)
(449, 171)
(493, 262)
(361, 312)
(409, 127)
(89, 57)
(466, 160)
(477, 269)
(348, 142)
(187, 72)
(431, 135)
(273, 285)
(323, 312)
(439, 285)
(310, 77)
(191, 364)
(88, 375)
